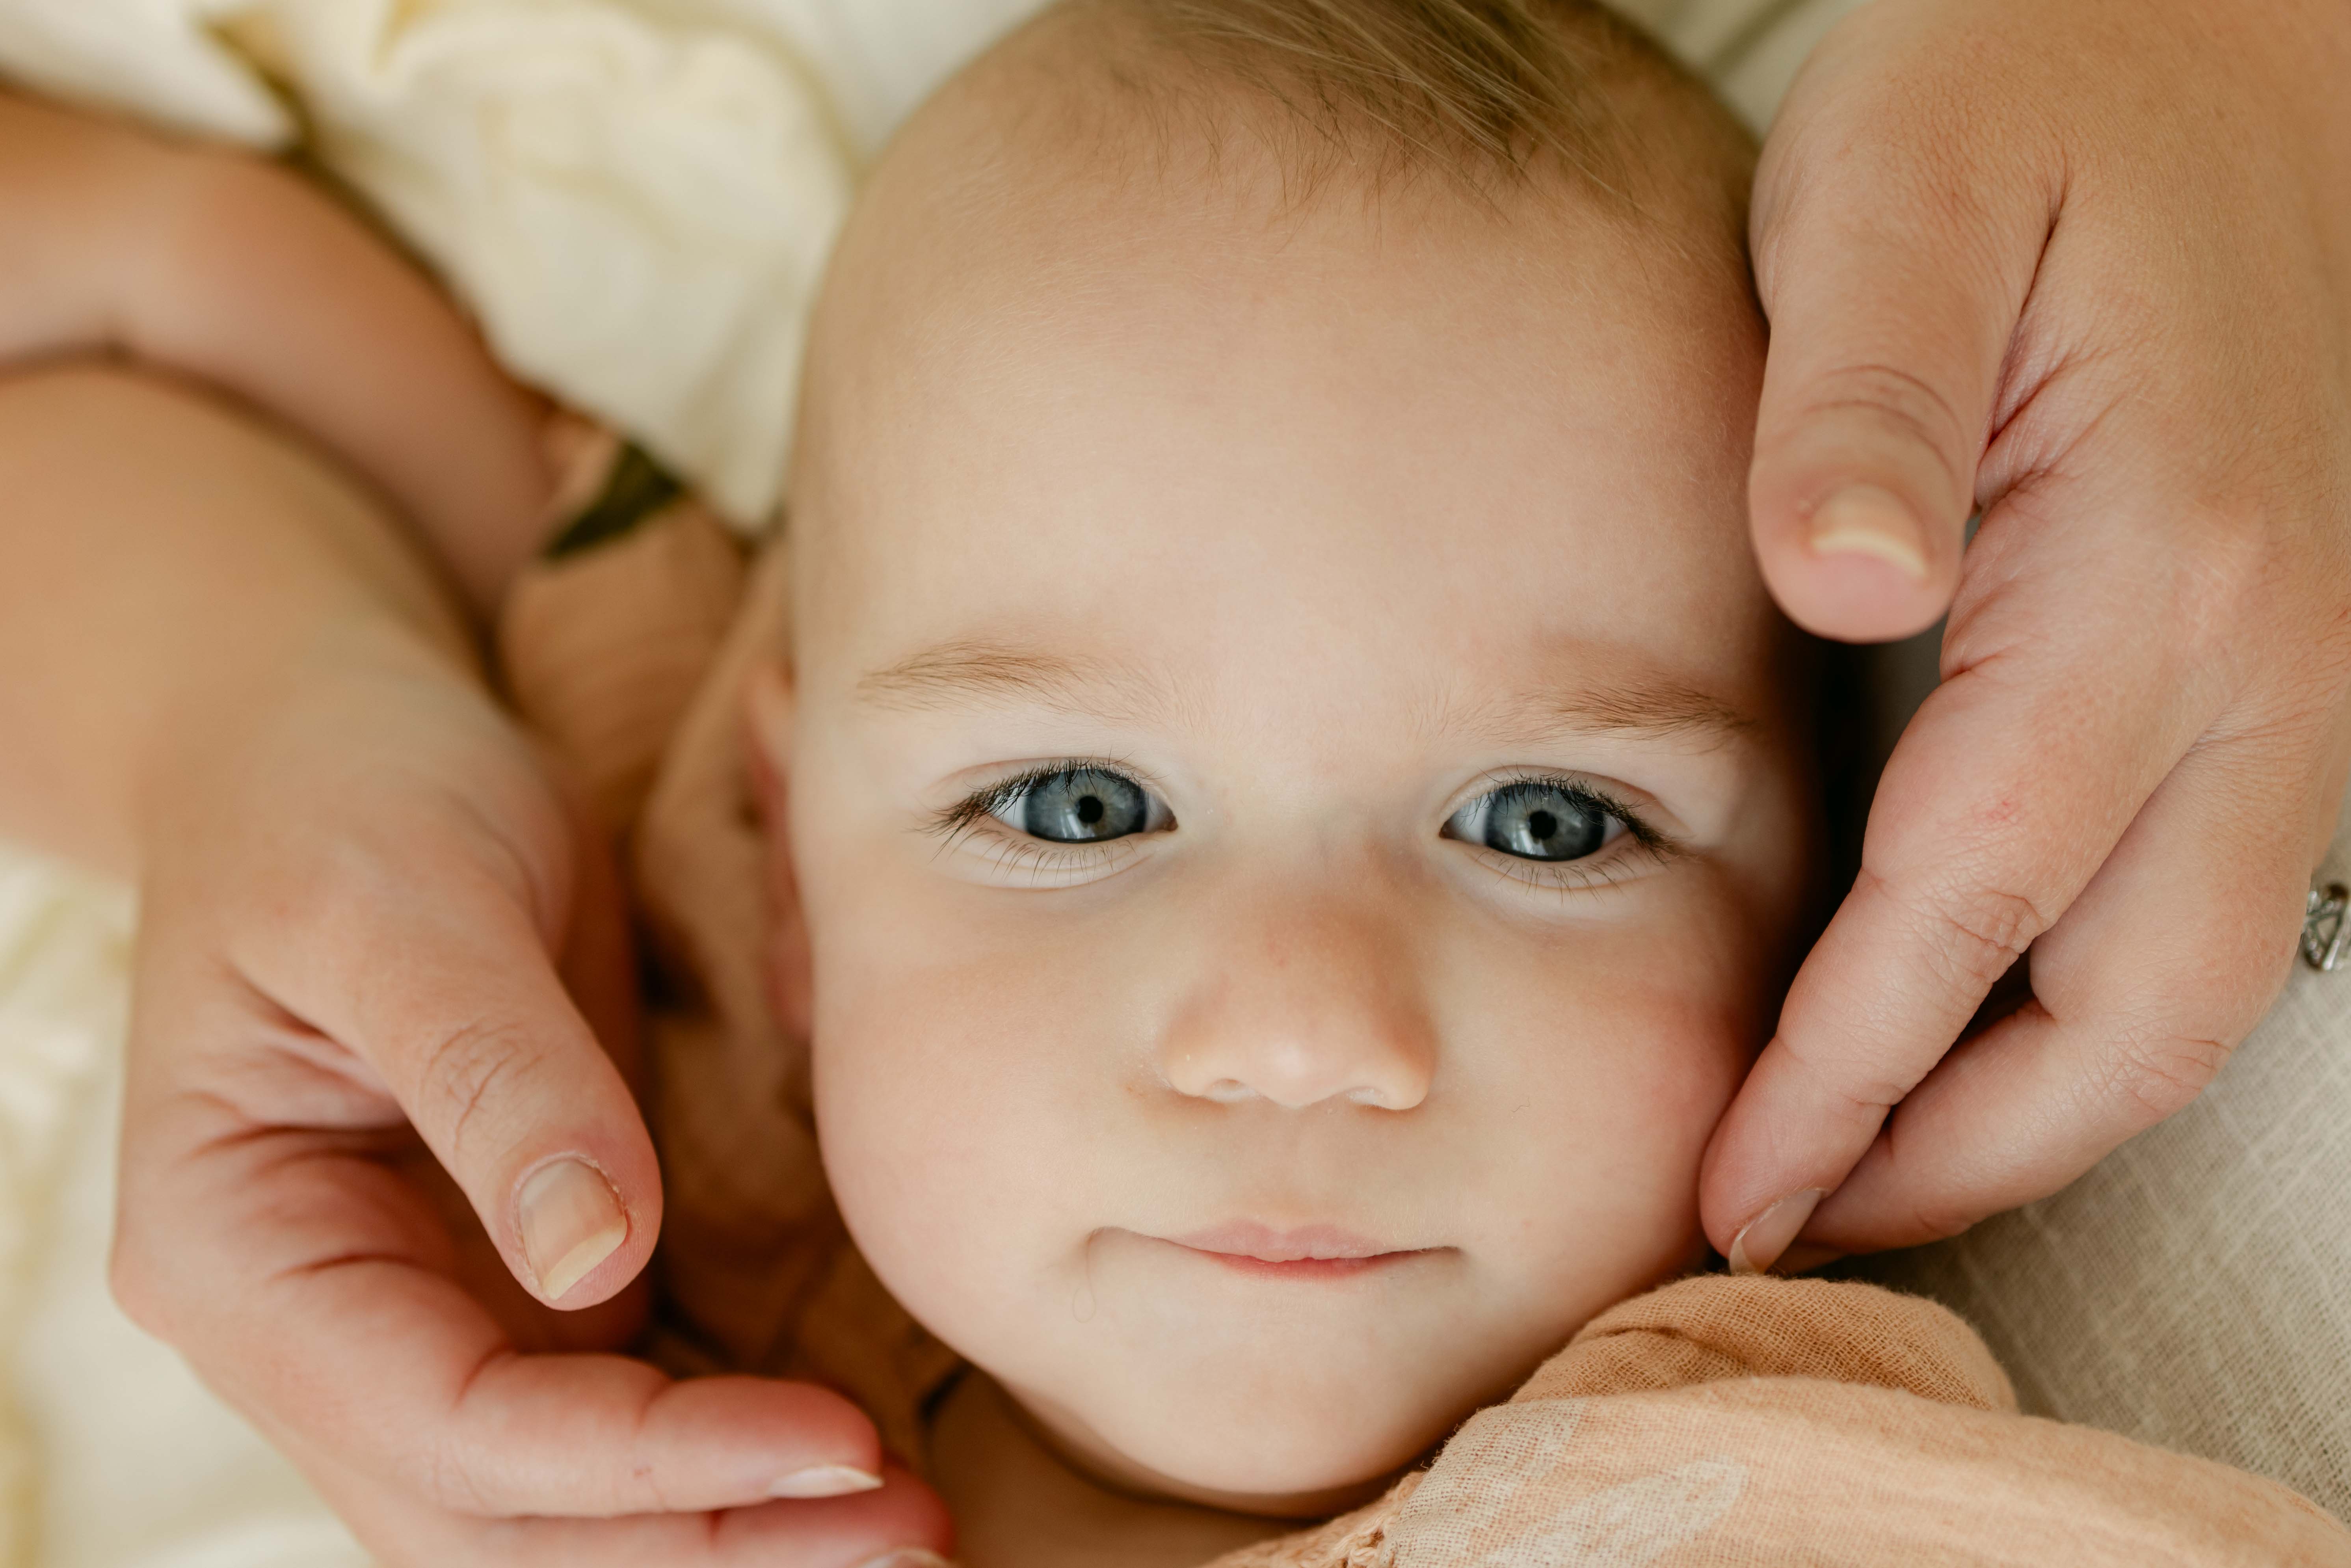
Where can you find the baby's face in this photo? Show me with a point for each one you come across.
(1294, 791)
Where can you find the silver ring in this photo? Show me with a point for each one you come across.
(2325, 930)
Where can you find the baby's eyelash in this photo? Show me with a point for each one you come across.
(1650, 846)
(1011, 856)
(1571, 876)
(1592, 794)
(968, 815)
(1636, 825)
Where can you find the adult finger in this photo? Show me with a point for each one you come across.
(2002, 798)
(1892, 270)
(434, 969)
(2167, 960)
(900, 1524)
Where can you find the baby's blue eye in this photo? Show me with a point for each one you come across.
(1536, 821)
(1075, 806)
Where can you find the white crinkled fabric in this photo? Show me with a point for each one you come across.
(635, 199)
(624, 200)
(124, 1460)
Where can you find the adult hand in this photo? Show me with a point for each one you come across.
(362, 896)
(2083, 266)
(351, 918)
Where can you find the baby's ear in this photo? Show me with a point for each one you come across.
(767, 718)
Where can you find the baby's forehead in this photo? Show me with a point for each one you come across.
(1097, 142)
(1131, 400)
(1325, 392)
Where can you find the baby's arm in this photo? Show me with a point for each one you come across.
(231, 270)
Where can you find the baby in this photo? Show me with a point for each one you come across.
(1297, 795)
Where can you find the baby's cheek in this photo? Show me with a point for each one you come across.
(935, 1116)
(900, 1111)
(1595, 1138)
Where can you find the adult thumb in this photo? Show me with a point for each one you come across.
(1894, 271)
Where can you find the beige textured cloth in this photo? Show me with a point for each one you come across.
(1758, 1421)
(2194, 1289)
(1716, 1421)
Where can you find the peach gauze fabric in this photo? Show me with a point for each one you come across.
(1762, 1421)
(1715, 1421)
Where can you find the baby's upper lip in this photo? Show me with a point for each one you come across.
(1296, 1244)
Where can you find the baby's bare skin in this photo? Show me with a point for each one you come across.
(1250, 1148)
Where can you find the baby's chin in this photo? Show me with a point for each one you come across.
(1276, 1467)
(1263, 1439)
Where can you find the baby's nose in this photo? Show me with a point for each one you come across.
(1300, 1011)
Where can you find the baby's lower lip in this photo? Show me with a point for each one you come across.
(1318, 1253)
(1304, 1268)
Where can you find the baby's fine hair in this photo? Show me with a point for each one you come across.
(1487, 90)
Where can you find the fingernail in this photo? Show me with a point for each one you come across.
(825, 1480)
(1865, 520)
(1757, 1248)
(571, 1221)
(911, 1557)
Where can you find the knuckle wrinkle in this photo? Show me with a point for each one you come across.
(1981, 930)
(2160, 1076)
(464, 1070)
(1907, 403)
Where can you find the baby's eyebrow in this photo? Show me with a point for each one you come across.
(942, 675)
(1660, 711)
(1639, 710)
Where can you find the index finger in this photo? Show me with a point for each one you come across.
(902, 1524)
(2138, 997)
(2007, 792)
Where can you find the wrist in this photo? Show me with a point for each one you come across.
(257, 283)
(307, 672)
